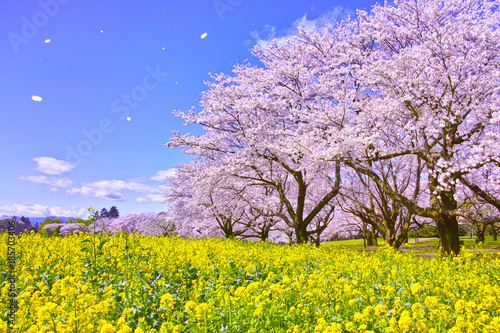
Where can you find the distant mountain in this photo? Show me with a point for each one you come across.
(35, 220)
(41, 219)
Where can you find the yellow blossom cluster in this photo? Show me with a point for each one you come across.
(132, 283)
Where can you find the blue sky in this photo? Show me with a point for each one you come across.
(95, 63)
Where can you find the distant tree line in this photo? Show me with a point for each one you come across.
(23, 225)
(104, 213)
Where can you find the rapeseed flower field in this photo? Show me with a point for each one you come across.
(132, 283)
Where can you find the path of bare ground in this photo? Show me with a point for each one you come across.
(427, 252)
(424, 252)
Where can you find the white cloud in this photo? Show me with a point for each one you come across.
(91, 192)
(268, 34)
(164, 188)
(52, 166)
(158, 198)
(34, 210)
(111, 189)
(163, 174)
(52, 181)
(119, 185)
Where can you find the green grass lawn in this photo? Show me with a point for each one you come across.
(468, 243)
(350, 244)
(489, 243)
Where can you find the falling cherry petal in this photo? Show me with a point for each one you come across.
(36, 98)
(204, 35)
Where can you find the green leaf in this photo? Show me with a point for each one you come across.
(195, 329)
(101, 245)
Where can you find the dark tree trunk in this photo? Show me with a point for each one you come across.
(371, 239)
(446, 223)
(365, 235)
(494, 231)
(301, 233)
(480, 230)
(448, 234)
(394, 240)
(390, 240)
(317, 241)
(264, 236)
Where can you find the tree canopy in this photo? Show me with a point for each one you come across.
(395, 112)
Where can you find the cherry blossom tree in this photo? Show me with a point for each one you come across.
(373, 206)
(429, 72)
(252, 127)
(143, 223)
(436, 67)
(480, 200)
(205, 202)
(423, 80)
(418, 79)
(261, 216)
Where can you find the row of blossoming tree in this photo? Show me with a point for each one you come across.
(391, 118)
